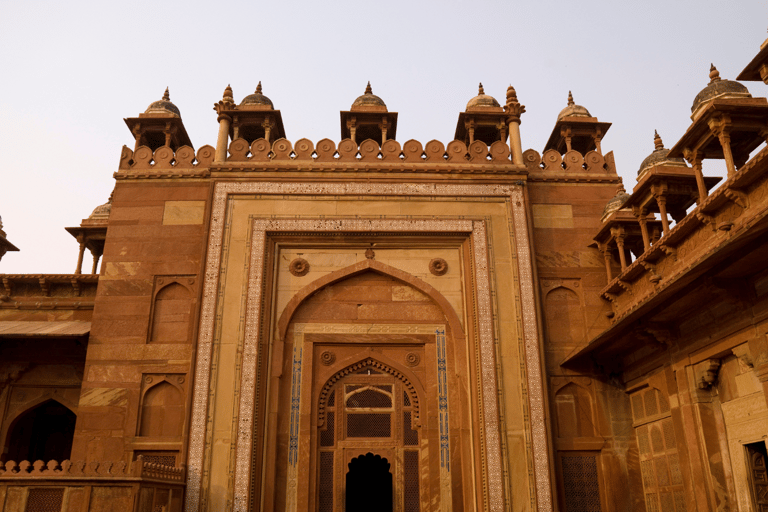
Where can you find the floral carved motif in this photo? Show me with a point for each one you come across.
(299, 267)
(438, 266)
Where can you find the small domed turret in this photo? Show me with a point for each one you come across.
(616, 202)
(368, 100)
(257, 101)
(573, 110)
(718, 88)
(660, 155)
(163, 106)
(482, 101)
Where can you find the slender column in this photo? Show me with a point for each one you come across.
(515, 143)
(605, 250)
(598, 148)
(644, 230)
(695, 160)
(725, 142)
(661, 200)
(622, 256)
(96, 257)
(79, 269)
(167, 133)
(223, 140)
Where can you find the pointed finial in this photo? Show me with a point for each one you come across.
(368, 89)
(620, 188)
(228, 96)
(570, 99)
(658, 144)
(258, 88)
(511, 95)
(480, 90)
(714, 74)
(166, 95)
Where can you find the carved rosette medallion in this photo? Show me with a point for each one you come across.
(412, 359)
(438, 266)
(327, 358)
(299, 267)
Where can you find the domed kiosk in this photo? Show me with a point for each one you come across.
(159, 125)
(576, 129)
(368, 118)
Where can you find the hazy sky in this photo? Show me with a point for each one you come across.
(71, 71)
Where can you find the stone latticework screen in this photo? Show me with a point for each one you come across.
(659, 459)
(580, 483)
(45, 500)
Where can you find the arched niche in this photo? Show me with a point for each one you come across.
(575, 412)
(171, 314)
(42, 432)
(564, 317)
(376, 267)
(162, 410)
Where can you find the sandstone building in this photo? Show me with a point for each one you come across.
(376, 325)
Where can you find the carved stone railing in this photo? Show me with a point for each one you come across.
(432, 157)
(88, 470)
(573, 165)
(734, 207)
(48, 291)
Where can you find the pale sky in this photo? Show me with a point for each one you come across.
(71, 71)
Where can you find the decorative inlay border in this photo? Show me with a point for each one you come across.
(250, 348)
(293, 447)
(532, 359)
(442, 403)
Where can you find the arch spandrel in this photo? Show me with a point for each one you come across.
(453, 321)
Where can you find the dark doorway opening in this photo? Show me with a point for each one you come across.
(42, 433)
(369, 484)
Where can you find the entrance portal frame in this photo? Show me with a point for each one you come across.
(494, 480)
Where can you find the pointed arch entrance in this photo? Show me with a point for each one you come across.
(368, 441)
(365, 368)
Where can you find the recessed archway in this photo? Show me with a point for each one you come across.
(44, 432)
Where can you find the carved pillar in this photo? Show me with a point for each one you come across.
(96, 257)
(268, 129)
(383, 131)
(725, 141)
(661, 200)
(695, 160)
(223, 139)
(353, 129)
(471, 131)
(619, 237)
(598, 148)
(167, 133)
(606, 252)
(642, 218)
(81, 240)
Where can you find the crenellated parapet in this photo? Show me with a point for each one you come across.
(326, 155)
(572, 166)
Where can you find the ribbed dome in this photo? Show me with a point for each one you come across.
(101, 212)
(482, 100)
(573, 110)
(163, 106)
(659, 155)
(719, 88)
(616, 202)
(257, 99)
(368, 99)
